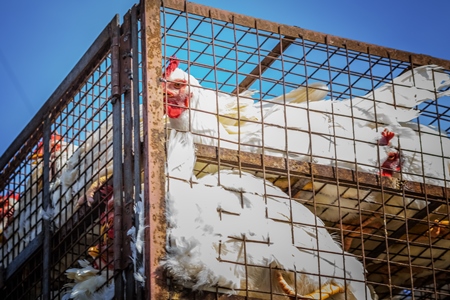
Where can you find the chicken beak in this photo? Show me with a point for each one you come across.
(35, 157)
(94, 252)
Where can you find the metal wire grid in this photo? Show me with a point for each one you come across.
(301, 63)
(24, 180)
(88, 118)
(224, 55)
(72, 233)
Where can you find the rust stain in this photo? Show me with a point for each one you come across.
(277, 165)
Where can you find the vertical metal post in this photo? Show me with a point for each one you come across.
(45, 205)
(154, 155)
(137, 133)
(126, 85)
(117, 158)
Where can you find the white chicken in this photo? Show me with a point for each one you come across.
(343, 133)
(214, 115)
(89, 283)
(239, 233)
(355, 133)
(346, 204)
(27, 219)
(30, 218)
(60, 152)
(92, 164)
(425, 156)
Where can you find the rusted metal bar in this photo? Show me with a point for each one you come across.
(347, 177)
(137, 135)
(154, 155)
(126, 85)
(205, 295)
(264, 64)
(28, 137)
(46, 204)
(218, 14)
(116, 101)
(24, 255)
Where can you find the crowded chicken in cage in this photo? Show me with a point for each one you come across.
(388, 148)
(245, 236)
(22, 220)
(252, 237)
(382, 118)
(323, 131)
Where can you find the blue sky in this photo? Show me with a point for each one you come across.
(43, 40)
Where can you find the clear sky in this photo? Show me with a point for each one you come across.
(41, 41)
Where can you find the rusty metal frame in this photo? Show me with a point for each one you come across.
(116, 100)
(137, 110)
(154, 154)
(126, 84)
(123, 43)
(294, 31)
(395, 60)
(40, 126)
(46, 204)
(277, 165)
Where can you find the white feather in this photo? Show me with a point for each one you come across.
(209, 219)
(341, 133)
(89, 283)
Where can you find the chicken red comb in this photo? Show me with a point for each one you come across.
(173, 64)
(392, 164)
(56, 137)
(54, 146)
(9, 196)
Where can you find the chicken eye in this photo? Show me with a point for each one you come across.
(177, 85)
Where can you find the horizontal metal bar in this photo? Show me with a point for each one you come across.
(346, 177)
(24, 255)
(294, 31)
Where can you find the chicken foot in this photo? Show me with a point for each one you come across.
(89, 195)
(440, 228)
(325, 292)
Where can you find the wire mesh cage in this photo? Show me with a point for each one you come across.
(298, 165)
(46, 233)
(326, 150)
